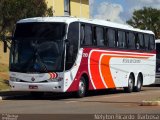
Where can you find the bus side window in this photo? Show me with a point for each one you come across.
(127, 39)
(94, 35)
(99, 36)
(72, 46)
(87, 36)
(151, 42)
(141, 41)
(146, 38)
(111, 38)
(105, 37)
(82, 35)
(131, 41)
(121, 39)
(137, 41)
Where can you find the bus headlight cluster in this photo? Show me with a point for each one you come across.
(13, 79)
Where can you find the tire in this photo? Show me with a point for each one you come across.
(81, 88)
(138, 87)
(130, 87)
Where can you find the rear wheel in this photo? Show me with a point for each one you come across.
(129, 89)
(138, 87)
(81, 88)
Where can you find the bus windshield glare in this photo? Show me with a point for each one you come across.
(38, 47)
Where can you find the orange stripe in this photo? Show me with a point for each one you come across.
(94, 65)
(105, 67)
(106, 73)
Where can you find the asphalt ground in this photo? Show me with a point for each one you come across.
(98, 105)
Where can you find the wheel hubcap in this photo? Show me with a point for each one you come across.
(81, 87)
(139, 84)
(130, 83)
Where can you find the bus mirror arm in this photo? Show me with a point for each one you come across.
(6, 39)
(5, 46)
(67, 42)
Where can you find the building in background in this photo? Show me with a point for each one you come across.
(76, 8)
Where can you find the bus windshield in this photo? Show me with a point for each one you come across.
(38, 47)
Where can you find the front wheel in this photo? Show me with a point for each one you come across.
(81, 88)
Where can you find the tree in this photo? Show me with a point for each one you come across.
(147, 19)
(13, 10)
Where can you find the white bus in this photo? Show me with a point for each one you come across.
(67, 54)
(157, 62)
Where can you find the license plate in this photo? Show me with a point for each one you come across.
(33, 87)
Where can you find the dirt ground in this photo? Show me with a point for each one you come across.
(4, 83)
(4, 75)
(4, 57)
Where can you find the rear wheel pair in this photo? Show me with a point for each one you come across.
(131, 86)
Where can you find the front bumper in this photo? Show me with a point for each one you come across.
(39, 87)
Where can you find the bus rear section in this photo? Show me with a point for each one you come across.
(157, 81)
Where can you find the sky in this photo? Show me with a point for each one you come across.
(119, 10)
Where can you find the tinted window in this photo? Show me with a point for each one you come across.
(146, 38)
(99, 36)
(87, 40)
(141, 41)
(82, 33)
(106, 37)
(66, 7)
(152, 42)
(121, 39)
(111, 38)
(40, 30)
(72, 45)
(131, 41)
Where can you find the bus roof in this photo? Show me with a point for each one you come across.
(92, 21)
